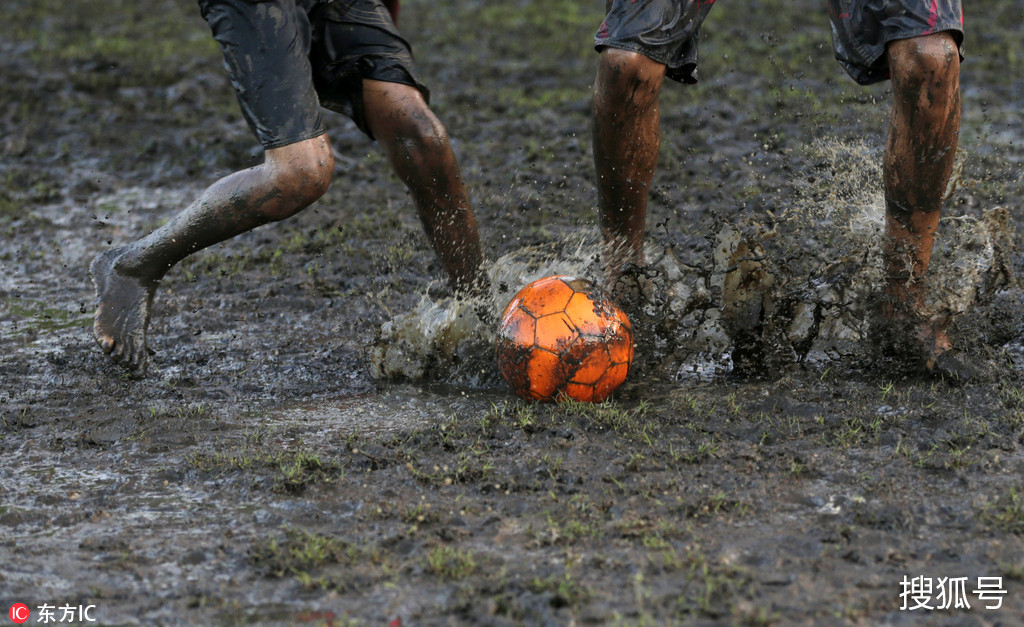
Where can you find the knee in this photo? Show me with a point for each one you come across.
(300, 174)
(925, 66)
(628, 79)
(400, 119)
(418, 135)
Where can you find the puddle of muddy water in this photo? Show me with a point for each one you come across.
(393, 410)
(39, 316)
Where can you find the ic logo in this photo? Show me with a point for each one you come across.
(18, 613)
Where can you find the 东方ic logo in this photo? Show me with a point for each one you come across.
(19, 613)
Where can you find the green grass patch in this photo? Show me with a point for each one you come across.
(289, 471)
(450, 562)
(319, 561)
(115, 43)
(1006, 512)
(35, 315)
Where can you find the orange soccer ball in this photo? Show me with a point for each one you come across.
(562, 336)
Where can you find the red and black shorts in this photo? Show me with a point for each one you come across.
(287, 58)
(861, 30)
(665, 31)
(668, 31)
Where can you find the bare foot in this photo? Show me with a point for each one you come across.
(926, 348)
(934, 343)
(943, 361)
(122, 311)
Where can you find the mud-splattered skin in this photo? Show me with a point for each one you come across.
(918, 161)
(627, 138)
(923, 133)
(417, 146)
(290, 179)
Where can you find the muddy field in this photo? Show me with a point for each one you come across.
(265, 472)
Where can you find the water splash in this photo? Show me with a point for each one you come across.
(452, 338)
(768, 291)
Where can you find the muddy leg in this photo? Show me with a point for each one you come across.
(126, 278)
(923, 133)
(417, 146)
(627, 139)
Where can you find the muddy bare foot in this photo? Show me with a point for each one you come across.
(924, 348)
(943, 361)
(122, 312)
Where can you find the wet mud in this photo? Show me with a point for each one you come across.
(323, 437)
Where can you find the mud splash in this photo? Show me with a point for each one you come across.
(452, 339)
(760, 294)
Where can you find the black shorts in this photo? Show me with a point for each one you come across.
(286, 58)
(665, 31)
(861, 30)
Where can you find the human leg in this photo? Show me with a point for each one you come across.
(626, 141)
(918, 45)
(364, 69)
(641, 42)
(270, 39)
(921, 147)
(417, 146)
(290, 178)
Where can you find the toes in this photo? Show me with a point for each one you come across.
(104, 339)
(132, 356)
(138, 361)
(119, 352)
(106, 343)
(136, 357)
